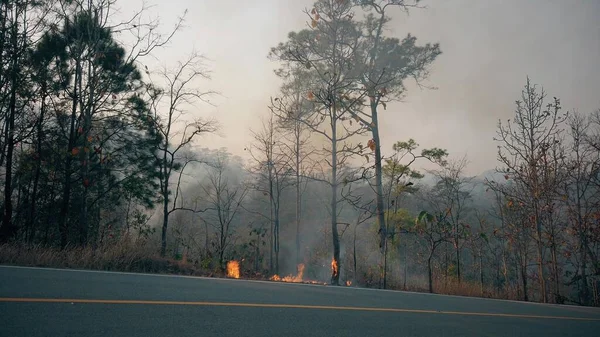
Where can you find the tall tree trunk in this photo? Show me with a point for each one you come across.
(165, 193)
(298, 200)
(584, 294)
(163, 236)
(277, 236)
(8, 229)
(3, 17)
(584, 290)
(405, 266)
(524, 279)
(378, 175)
(457, 259)
(429, 272)
(481, 272)
(271, 216)
(335, 272)
(354, 255)
(63, 221)
(540, 260)
(38, 163)
(385, 255)
(87, 125)
(557, 296)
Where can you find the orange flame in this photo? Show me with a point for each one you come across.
(233, 269)
(290, 278)
(348, 283)
(295, 279)
(334, 267)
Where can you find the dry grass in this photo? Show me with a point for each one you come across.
(453, 287)
(464, 288)
(120, 256)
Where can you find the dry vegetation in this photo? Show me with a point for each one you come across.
(121, 256)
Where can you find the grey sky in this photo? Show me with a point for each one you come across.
(489, 47)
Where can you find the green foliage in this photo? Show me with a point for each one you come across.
(99, 145)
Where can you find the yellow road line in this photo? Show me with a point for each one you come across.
(284, 306)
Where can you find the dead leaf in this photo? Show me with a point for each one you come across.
(371, 144)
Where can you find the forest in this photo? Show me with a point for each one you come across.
(104, 165)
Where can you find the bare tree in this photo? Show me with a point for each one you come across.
(169, 107)
(225, 197)
(435, 230)
(290, 108)
(524, 144)
(273, 174)
(452, 195)
(17, 33)
(580, 194)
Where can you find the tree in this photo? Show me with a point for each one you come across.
(273, 174)
(525, 144)
(77, 66)
(290, 108)
(581, 196)
(451, 197)
(399, 179)
(435, 230)
(321, 55)
(225, 197)
(478, 240)
(17, 31)
(168, 107)
(382, 66)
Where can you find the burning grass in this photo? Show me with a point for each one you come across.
(290, 278)
(298, 278)
(233, 269)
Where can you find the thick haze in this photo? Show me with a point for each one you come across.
(489, 47)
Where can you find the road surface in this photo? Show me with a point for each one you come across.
(51, 302)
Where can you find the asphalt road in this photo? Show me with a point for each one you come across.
(50, 302)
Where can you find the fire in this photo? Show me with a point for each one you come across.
(298, 278)
(233, 269)
(334, 267)
(348, 283)
(290, 278)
